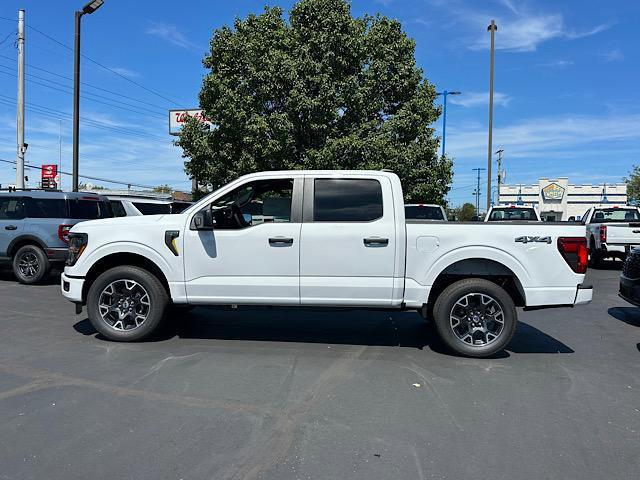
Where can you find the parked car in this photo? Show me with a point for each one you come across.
(423, 211)
(342, 241)
(630, 278)
(512, 213)
(34, 228)
(612, 231)
(132, 203)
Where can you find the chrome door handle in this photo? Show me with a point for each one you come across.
(280, 241)
(375, 242)
(10, 227)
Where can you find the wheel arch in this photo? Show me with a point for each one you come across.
(23, 240)
(122, 258)
(486, 268)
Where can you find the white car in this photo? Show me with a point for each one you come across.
(612, 231)
(424, 211)
(323, 239)
(512, 213)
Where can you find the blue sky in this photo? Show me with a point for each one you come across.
(567, 102)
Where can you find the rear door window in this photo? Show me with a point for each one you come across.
(346, 200)
(46, 208)
(118, 208)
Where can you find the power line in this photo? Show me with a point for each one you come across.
(7, 37)
(35, 82)
(57, 114)
(104, 66)
(88, 84)
(87, 177)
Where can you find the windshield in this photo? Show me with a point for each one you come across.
(610, 215)
(512, 214)
(423, 212)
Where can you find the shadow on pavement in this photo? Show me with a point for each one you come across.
(608, 265)
(630, 315)
(327, 326)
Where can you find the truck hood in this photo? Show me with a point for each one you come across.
(174, 220)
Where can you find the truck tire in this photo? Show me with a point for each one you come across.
(475, 317)
(30, 264)
(127, 304)
(595, 256)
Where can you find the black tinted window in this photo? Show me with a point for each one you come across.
(423, 212)
(11, 208)
(513, 214)
(46, 208)
(343, 200)
(89, 209)
(118, 208)
(153, 208)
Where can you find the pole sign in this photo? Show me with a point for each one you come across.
(177, 119)
(49, 176)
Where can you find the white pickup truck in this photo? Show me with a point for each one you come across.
(325, 239)
(512, 213)
(612, 231)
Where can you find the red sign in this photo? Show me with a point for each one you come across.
(49, 171)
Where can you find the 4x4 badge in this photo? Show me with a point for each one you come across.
(533, 239)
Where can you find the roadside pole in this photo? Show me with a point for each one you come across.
(21, 147)
(491, 28)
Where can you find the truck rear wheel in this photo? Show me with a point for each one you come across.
(475, 317)
(127, 304)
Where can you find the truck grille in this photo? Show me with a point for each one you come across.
(631, 267)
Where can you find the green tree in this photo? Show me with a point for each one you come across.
(466, 212)
(633, 183)
(163, 189)
(322, 90)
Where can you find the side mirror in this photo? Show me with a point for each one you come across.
(202, 220)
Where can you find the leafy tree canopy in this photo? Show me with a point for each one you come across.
(633, 183)
(465, 213)
(321, 90)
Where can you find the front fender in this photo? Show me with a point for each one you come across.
(171, 272)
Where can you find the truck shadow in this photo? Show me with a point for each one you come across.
(630, 315)
(327, 326)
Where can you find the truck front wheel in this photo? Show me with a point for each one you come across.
(127, 304)
(475, 317)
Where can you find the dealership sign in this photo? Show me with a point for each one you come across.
(553, 191)
(177, 119)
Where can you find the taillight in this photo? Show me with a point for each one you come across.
(63, 232)
(603, 233)
(574, 252)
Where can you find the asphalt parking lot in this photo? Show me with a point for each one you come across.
(298, 394)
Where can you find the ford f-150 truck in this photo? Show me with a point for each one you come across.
(325, 239)
(612, 231)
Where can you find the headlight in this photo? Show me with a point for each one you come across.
(77, 244)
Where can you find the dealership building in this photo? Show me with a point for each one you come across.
(558, 200)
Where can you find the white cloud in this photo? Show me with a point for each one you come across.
(614, 55)
(475, 99)
(171, 34)
(125, 72)
(556, 64)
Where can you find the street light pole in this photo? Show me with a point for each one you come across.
(444, 94)
(89, 8)
(491, 28)
(499, 153)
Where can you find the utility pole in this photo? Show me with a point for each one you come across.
(499, 153)
(477, 192)
(59, 186)
(21, 147)
(491, 28)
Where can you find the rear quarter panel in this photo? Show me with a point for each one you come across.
(544, 275)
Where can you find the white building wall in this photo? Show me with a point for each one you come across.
(558, 199)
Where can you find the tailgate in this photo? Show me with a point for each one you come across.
(623, 234)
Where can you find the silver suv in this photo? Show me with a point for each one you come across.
(34, 226)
